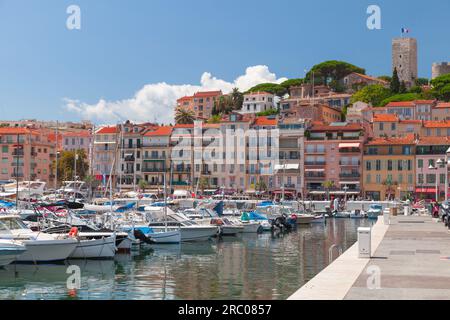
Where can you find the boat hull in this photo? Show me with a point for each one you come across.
(9, 252)
(104, 248)
(251, 227)
(231, 230)
(173, 236)
(192, 234)
(47, 250)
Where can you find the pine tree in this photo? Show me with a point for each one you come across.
(395, 82)
(402, 87)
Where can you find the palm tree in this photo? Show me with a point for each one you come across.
(143, 185)
(184, 116)
(328, 185)
(203, 183)
(237, 98)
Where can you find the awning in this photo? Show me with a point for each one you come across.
(349, 182)
(316, 192)
(425, 190)
(345, 193)
(295, 166)
(349, 145)
(315, 170)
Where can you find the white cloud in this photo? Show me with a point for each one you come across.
(156, 102)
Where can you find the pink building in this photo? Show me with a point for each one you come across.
(333, 155)
(26, 154)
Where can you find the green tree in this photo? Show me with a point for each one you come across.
(441, 87)
(422, 82)
(203, 184)
(184, 116)
(328, 71)
(395, 82)
(292, 83)
(237, 99)
(385, 78)
(372, 94)
(143, 185)
(401, 97)
(402, 87)
(215, 119)
(328, 185)
(273, 88)
(66, 165)
(270, 112)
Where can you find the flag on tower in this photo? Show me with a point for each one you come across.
(405, 30)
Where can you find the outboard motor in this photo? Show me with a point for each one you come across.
(138, 234)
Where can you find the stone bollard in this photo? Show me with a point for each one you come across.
(387, 216)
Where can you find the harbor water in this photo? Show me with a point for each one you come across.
(248, 266)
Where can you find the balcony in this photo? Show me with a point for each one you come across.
(129, 159)
(155, 157)
(315, 163)
(17, 175)
(153, 170)
(314, 151)
(18, 153)
(206, 172)
(350, 150)
(347, 163)
(350, 175)
(315, 177)
(15, 164)
(180, 183)
(181, 170)
(128, 172)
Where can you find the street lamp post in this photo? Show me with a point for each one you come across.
(439, 163)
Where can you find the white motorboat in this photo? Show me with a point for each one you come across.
(205, 216)
(190, 230)
(94, 246)
(251, 226)
(341, 214)
(319, 218)
(358, 214)
(40, 247)
(9, 251)
(375, 210)
(304, 218)
(149, 235)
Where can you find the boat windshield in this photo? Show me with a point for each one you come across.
(11, 224)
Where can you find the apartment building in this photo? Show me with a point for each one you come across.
(26, 154)
(105, 149)
(430, 167)
(201, 103)
(333, 155)
(256, 102)
(389, 168)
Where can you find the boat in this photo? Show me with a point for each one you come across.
(94, 246)
(358, 214)
(190, 230)
(375, 210)
(319, 219)
(205, 216)
(160, 237)
(304, 218)
(341, 214)
(40, 246)
(9, 251)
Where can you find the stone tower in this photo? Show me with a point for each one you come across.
(440, 69)
(404, 58)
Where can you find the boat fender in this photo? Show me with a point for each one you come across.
(294, 217)
(73, 232)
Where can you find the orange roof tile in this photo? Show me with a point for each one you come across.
(107, 130)
(185, 98)
(264, 121)
(76, 134)
(184, 126)
(409, 139)
(443, 105)
(425, 141)
(436, 124)
(424, 101)
(411, 121)
(17, 131)
(400, 104)
(206, 94)
(385, 117)
(370, 77)
(161, 131)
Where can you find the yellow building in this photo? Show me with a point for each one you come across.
(389, 168)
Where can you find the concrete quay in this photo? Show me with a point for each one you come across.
(410, 260)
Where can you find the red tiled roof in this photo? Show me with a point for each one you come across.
(186, 98)
(206, 94)
(17, 131)
(443, 105)
(107, 130)
(411, 121)
(424, 101)
(258, 93)
(184, 126)
(409, 139)
(161, 131)
(425, 141)
(436, 124)
(383, 117)
(369, 77)
(264, 121)
(325, 127)
(76, 134)
(400, 104)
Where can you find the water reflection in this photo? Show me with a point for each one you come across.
(245, 267)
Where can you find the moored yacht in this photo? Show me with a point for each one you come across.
(9, 251)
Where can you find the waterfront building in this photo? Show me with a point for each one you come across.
(105, 150)
(289, 179)
(77, 140)
(333, 154)
(156, 159)
(26, 154)
(430, 167)
(389, 168)
(256, 102)
(389, 125)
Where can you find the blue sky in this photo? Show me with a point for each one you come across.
(124, 45)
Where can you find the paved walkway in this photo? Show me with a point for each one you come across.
(412, 256)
